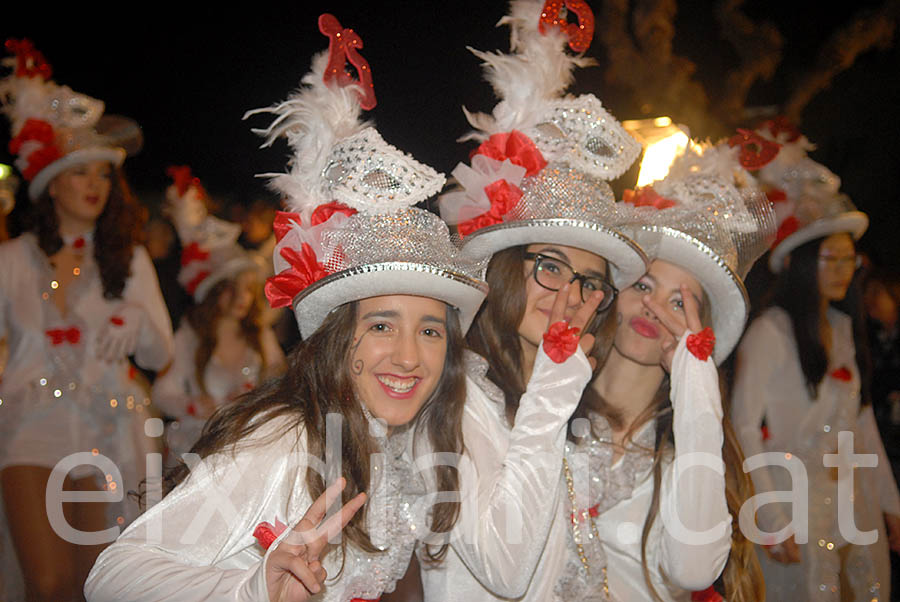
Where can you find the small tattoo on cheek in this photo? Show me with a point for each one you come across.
(358, 367)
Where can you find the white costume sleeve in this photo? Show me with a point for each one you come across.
(761, 351)
(174, 388)
(870, 440)
(154, 346)
(197, 543)
(510, 485)
(696, 538)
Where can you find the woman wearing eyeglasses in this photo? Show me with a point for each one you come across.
(802, 378)
(535, 202)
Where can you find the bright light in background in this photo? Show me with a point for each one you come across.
(5, 171)
(662, 141)
(658, 158)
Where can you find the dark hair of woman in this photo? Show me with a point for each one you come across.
(317, 383)
(494, 333)
(797, 293)
(204, 319)
(117, 230)
(741, 579)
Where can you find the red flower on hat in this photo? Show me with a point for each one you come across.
(560, 341)
(36, 130)
(790, 225)
(515, 146)
(776, 195)
(282, 223)
(39, 159)
(184, 180)
(30, 62)
(647, 197)
(193, 252)
(842, 374)
(266, 534)
(503, 197)
(756, 151)
(305, 269)
(191, 286)
(782, 125)
(701, 344)
(324, 212)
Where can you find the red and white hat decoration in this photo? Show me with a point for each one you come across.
(54, 127)
(806, 194)
(545, 157)
(210, 253)
(352, 230)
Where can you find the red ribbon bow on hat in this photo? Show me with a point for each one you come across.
(503, 197)
(701, 344)
(756, 151)
(36, 130)
(515, 146)
(58, 336)
(305, 269)
(560, 341)
(790, 225)
(193, 252)
(646, 196)
(782, 125)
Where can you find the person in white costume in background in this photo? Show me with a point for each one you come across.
(654, 474)
(78, 295)
(222, 348)
(382, 299)
(802, 374)
(537, 202)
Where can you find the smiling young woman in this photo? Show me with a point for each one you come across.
(78, 296)
(382, 299)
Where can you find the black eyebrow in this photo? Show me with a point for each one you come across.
(561, 254)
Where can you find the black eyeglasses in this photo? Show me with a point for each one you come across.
(552, 273)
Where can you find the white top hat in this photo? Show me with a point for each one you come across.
(53, 127)
(805, 193)
(353, 232)
(708, 217)
(540, 173)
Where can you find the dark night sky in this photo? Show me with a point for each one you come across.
(188, 75)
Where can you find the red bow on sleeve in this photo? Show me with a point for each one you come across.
(266, 534)
(701, 345)
(305, 269)
(560, 341)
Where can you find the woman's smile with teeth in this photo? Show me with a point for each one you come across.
(400, 385)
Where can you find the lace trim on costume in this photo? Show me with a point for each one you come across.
(591, 461)
(396, 515)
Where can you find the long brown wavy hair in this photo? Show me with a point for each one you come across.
(317, 383)
(494, 335)
(204, 319)
(741, 580)
(118, 229)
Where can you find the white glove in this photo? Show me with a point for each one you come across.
(118, 338)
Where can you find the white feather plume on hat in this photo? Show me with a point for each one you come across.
(537, 72)
(313, 119)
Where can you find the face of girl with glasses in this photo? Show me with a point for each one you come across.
(836, 265)
(549, 266)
